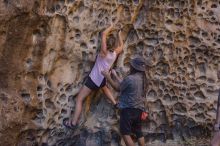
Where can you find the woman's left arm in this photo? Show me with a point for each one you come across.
(118, 78)
(114, 84)
(120, 46)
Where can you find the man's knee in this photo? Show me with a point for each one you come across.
(141, 141)
(128, 140)
(139, 134)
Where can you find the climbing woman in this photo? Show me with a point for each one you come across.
(105, 59)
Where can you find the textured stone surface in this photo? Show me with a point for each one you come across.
(48, 47)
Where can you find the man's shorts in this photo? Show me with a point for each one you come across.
(91, 85)
(130, 122)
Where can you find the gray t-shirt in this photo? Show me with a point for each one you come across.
(131, 92)
(218, 106)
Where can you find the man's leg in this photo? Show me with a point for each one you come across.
(137, 128)
(125, 126)
(141, 141)
(128, 140)
(84, 91)
(109, 94)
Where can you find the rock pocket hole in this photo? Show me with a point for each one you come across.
(49, 104)
(62, 98)
(214, 6)
(26, 96)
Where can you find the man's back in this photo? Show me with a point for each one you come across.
(132, 90)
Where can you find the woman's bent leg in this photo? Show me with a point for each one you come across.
(84, 91)
(109, 94)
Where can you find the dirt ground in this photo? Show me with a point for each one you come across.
(190, 142)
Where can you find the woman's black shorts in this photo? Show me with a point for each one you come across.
(91, 85)
(130, 122)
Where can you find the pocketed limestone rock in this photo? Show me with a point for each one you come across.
(48, 47)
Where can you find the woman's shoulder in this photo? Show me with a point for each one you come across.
(111, 52)
(109, 55)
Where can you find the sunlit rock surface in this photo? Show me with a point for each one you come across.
(48, 47)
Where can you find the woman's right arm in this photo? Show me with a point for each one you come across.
(104, 39)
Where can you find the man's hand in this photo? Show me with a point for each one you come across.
(114, 84)
(117, 77)
(114, 73)
(106, 74)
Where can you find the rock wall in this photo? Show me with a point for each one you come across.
(48, 47)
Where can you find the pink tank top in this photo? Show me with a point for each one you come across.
(102, 64)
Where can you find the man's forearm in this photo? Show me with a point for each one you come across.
(114, 84)
(119, 79)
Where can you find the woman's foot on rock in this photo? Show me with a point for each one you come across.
(68, 124)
